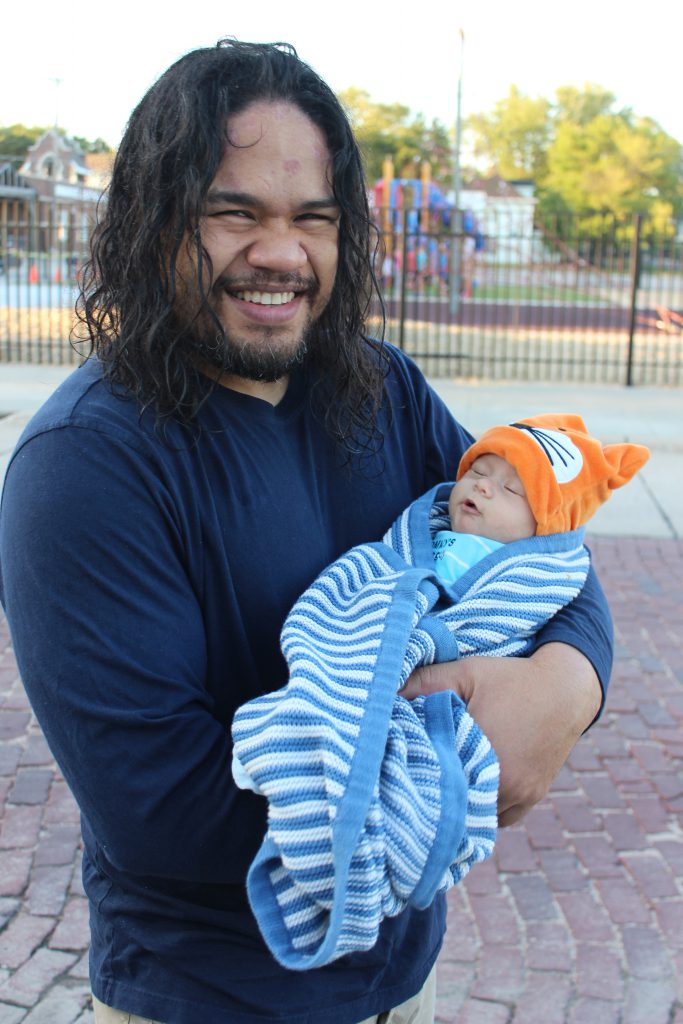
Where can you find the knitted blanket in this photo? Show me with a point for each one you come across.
(375, 802)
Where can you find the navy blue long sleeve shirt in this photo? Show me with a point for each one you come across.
(141, 621)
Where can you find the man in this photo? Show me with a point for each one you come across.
(163, 511)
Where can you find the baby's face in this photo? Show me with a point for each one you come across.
(490, 501)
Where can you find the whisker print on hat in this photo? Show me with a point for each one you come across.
(549, 444)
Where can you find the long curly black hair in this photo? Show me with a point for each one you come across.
(167, 160)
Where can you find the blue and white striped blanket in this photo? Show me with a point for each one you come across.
(374, 802)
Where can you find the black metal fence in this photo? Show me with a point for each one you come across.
(521, 298)
(42, 246)
(593, 301)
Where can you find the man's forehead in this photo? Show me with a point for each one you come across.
(273, 153)
(265, 121)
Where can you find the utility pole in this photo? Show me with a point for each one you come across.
(456, 221)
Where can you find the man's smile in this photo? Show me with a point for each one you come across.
(266, 298)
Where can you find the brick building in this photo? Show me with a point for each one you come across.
(47, 209)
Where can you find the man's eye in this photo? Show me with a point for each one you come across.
(237, 214)
(317, 218)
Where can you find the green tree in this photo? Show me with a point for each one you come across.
(586, 158)
(614, 165)
(392, 130)
(581, 106)
(98, 145)
(514, 138)
(15, 140)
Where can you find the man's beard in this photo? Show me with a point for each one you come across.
(267, 361)
(265, 356)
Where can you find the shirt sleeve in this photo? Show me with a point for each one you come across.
(110, 643)
(585, 624)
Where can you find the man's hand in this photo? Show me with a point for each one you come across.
(533, 711)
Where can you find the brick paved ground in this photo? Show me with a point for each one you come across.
(577, 920)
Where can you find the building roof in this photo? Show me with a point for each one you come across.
(499, 187)
(56, 165)
(12, 184)
(99, 163)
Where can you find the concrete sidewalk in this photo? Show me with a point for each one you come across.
(578, 917)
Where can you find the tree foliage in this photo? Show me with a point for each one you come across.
(614, 165)
(392, 130)
(586, 158)
(581, 106)
(16, 139)
(515, 136)
(97, 145)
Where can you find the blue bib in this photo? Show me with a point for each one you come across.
(455, 553)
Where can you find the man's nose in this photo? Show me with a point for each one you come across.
(277, 248)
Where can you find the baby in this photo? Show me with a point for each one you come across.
(532, 478)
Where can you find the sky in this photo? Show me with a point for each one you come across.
(104, 57)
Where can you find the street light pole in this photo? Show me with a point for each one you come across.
(456, 221)
(57, 83)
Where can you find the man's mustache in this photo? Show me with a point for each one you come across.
(266, 282)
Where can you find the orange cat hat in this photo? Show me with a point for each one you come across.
(567, 474)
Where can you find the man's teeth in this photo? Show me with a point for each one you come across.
(267, 298)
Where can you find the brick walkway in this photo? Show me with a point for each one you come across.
(577, 920)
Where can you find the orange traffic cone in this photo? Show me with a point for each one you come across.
(33, 274)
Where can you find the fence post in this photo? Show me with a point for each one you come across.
(634, 275)
(404, 278)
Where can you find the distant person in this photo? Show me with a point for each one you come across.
(469, 250)
(234, 432)
(387, 273)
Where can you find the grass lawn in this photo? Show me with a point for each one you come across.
(532, 293)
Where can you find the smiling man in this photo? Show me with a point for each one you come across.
(270, 230)
(234, 431)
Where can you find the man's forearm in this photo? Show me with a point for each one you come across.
(533, 711)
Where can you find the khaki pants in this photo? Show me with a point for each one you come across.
(108, 1015)
(418, 1010)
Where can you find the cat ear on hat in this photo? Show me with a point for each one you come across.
(624, 461)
